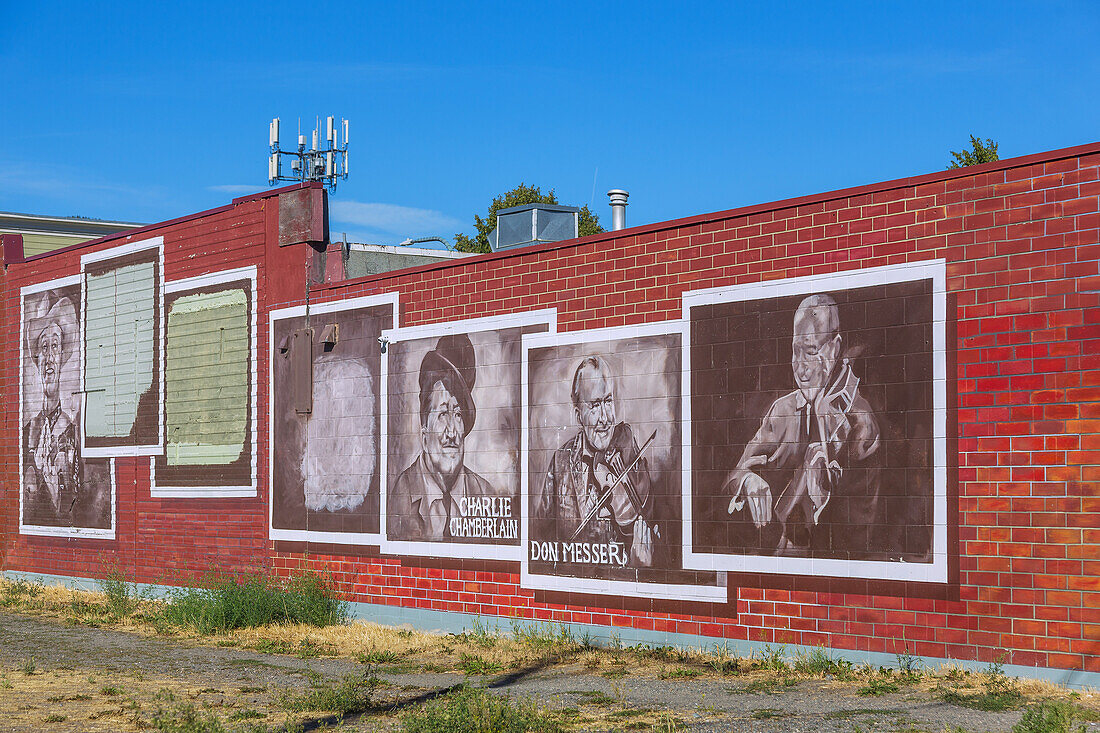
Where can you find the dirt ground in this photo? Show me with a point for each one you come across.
(59, 676)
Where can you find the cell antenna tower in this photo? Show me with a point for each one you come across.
(326, 162)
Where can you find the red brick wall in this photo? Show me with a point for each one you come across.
(1021, 239)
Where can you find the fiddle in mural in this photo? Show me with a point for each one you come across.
(604, 465)
(818, 410)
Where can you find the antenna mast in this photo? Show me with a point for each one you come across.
(326, 160)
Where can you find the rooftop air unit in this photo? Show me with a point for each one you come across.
(520, 226)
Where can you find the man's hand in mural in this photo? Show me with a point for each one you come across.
(753, 491)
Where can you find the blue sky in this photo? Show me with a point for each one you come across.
(144, 112)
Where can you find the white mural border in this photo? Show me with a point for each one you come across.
(936, 571)
(214, 491)
(157, 243)
(464, 550)
(48, 530)
(598, 586)
(299, 311)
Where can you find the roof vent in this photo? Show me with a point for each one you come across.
(520, 226)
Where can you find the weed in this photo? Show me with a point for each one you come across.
(246, 715)
(596, 697)
(473, 664)
(111, 691)
(908, 665)
(616, 673)
(164, 695)
(121, 595)
(350, 695)
(55, 718)
(820, 663)
(29, 667)
(546, 637)
(998, 692)
(185, 718)
(1054, 717)
(768, 714)
(379, 656)
(224, 603)
(251, 689)
(879, 685)
(472, 710)
(680, 673)
(81, 697)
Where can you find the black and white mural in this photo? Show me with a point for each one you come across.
(63, 493)
(604, 464)
(325, 413)
(452, 467)
(818, 424)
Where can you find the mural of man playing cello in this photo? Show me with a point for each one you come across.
(597, 487)
(811, 474)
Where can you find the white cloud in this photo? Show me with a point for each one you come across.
(393, 219)
(237, 188)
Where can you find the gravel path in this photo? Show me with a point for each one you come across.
(57, 677)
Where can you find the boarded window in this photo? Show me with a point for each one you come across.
(206, 379)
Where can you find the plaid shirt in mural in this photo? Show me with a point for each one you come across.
(570, 490)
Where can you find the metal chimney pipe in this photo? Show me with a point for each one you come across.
(618, 208)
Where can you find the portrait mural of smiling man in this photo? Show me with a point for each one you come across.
(818, 426)
(453, 436)
(604, 452)
(63, 493)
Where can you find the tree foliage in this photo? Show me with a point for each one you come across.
(979, 153)
(518, 196)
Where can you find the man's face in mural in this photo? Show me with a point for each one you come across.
(595, 406)
(816, 345)
(443, 434)
(48, 359)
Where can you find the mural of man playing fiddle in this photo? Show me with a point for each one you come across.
(597, 487)
(813, 469)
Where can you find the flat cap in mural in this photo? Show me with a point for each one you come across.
(45, 312)
(452, 362)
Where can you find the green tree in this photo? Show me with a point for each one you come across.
(979, 153)
(518, 196)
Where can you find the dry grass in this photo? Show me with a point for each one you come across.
(505, 646)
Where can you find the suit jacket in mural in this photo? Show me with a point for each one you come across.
(823, 463)
(422, 510)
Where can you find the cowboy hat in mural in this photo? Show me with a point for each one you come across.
(437, 498)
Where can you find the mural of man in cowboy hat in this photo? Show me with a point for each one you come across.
(51, 446)
(432, 496)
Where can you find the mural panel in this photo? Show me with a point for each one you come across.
(818, 426)
(453, 435)
(210, 388)
(120, 350)
(604, 464)
(325, 407)
(63, 492)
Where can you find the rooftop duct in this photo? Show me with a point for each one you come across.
(519, 226)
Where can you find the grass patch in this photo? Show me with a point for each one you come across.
(224, 603)
(472, 710)
(185, 718)
(819, 663)
(121, 595)
(473, 664)
(768, 714)
(879, 686)
(1055, 716)
(351, 695)
(997, 692)
(55, 718)
(111, 691)
(680, 673)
